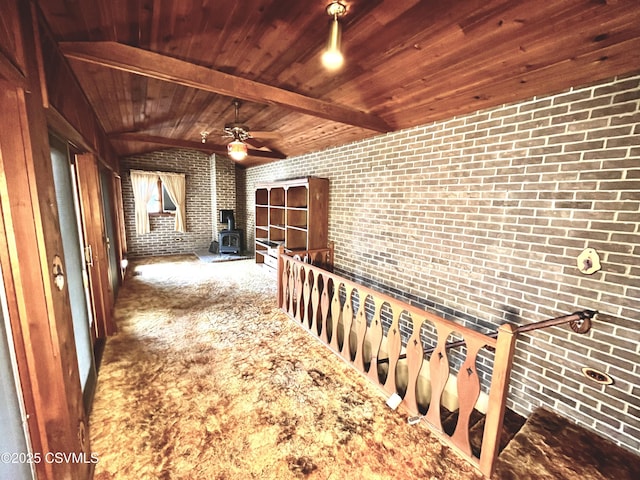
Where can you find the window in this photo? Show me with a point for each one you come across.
(160, 201)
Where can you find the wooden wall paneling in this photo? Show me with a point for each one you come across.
(67, 98)
(96, 255)
(10, 72)
(12, 57)
(39, 312)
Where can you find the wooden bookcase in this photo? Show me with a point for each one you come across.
(292, 213)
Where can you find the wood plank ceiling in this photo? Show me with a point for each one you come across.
(178, 64)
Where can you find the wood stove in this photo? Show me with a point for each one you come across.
(230, 239)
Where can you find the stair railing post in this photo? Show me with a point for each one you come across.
(279, 273)
(505, 348)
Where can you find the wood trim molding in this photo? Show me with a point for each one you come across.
(162, 67)
(11, 73)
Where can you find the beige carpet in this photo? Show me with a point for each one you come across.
(552, 447)
(206, 379)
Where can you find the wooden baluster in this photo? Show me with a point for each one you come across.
(299, 307)
(279, 291)
(315, 303)
(361, 333)
(292, 289)
(375, 338)
(336, 316)
(394, 345)
(468, 393)
(439, 368)
(306, 296)
(325, 303)
(505, 348)
(347, 319)
(415, 356)
(286, 291)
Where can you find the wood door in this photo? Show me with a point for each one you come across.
(96, 256)
(37, 301)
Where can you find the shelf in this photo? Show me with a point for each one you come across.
(295, 227)
(296, 239)
(276, 197)
(262, 196)
(262, 216)
(292, 213)
(297, 218)
(297, 196)
(276, 234)
(276, 216)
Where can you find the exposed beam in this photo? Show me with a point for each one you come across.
(206, 147)
(154, 65)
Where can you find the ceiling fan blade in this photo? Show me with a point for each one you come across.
(266, 135)
(256, 143)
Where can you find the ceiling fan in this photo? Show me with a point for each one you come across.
(236, 129)
(241, 135)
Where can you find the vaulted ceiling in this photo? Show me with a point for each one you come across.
(158, 73)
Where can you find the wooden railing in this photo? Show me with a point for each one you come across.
(323, 303)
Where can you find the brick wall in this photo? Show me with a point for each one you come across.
(480, 219)
(163, 239)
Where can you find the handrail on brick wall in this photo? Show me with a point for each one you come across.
(580, 322)
(311, 296)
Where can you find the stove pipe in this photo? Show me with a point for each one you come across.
(227, 216)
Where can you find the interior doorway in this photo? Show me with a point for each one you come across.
(75, 266)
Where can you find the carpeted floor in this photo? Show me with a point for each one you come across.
(552, 447)
(206, 379)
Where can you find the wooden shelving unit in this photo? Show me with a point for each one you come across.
(292, 213)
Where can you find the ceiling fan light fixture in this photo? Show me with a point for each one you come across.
(237, 150)
(332, 57)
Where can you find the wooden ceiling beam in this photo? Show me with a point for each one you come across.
(154, 65)
(174, 142)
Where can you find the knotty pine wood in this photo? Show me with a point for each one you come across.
(68, 110)
(410, 63)
(162, 67)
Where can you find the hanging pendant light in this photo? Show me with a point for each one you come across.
(237, 149)
(332, 58)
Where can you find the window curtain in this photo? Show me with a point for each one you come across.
(143, 185)
(174, 183)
